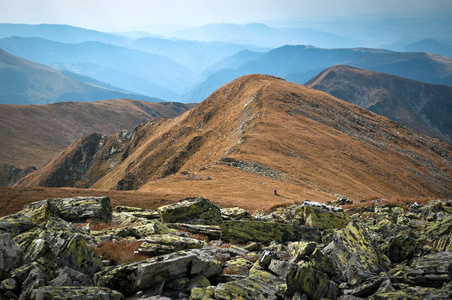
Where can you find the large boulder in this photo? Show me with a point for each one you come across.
(80, 209)
(324, 217)
(196, 210)
(76, 293)
(144, 275)
(355, 255)
(432, 270)
(243, 231)
(167, 243)
(11, 256)
(64, 249)
(309, 281)
(28, 218)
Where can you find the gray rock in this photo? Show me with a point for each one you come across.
(432, 270)
(243, 231)
(36, 278)
(196, 210)
(131, 278)
(11, 255)
(80, 209)
(76, 293)
(355, 255)
(69, 277)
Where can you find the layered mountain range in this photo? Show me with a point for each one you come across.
(255, 134)
(189, 71)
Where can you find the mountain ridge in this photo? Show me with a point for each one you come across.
(234, 144)
(421, 106)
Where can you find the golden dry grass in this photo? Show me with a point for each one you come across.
(120, 252)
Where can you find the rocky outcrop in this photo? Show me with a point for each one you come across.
(197, 210)
(378, 252)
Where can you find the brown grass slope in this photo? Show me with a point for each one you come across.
(34, 134)
(426, 108)
(260, 132)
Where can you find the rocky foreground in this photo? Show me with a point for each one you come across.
(307, 251)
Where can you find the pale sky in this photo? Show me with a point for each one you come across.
(122, 15)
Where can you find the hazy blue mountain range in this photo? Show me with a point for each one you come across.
(300, 63)
(193, 55)
(429, 45)
(266, 36)
(128, 69)
(25, 82)
(61, 33)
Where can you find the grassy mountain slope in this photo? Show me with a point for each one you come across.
(257, 133)
(34, 134)
(424, 107)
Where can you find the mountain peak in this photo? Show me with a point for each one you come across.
(258, 132)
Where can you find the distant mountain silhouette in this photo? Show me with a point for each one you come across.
(60, 33)
(424, 107)
(429, 45)
(299, 64)
(265, 36)
(25, 82)
(132, 70)
(253, 134)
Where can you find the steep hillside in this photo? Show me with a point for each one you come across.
(26, 82)
(255, 134)
(424, 107)
(299, 64)
(34, 134)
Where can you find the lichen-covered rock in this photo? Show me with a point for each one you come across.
(213, 232)
(240, 266)
(235, 213)
(248, 288)
(301, 249)
(324, 218)
(138, 212)
(76, 293)
(27, 218)
(355, 255)
(243, 231)
(80, 209)
(415, 293)
(36, 278)
(432, 270)
(167, 243)
(64, 249)
(400, 243)
(196, 210)
(11, 255)
(313, 283)
(133, 277)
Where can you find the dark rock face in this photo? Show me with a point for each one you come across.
(381, 252)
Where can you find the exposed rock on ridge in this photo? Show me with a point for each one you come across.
(43, 255)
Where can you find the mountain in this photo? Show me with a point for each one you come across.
(264, 36)
(429, 45)
(131, 70)
(255, 134)
(34, 134)
(25, 82)
(60, 33)
(193, 55)
(424, 107)
(299, 64)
